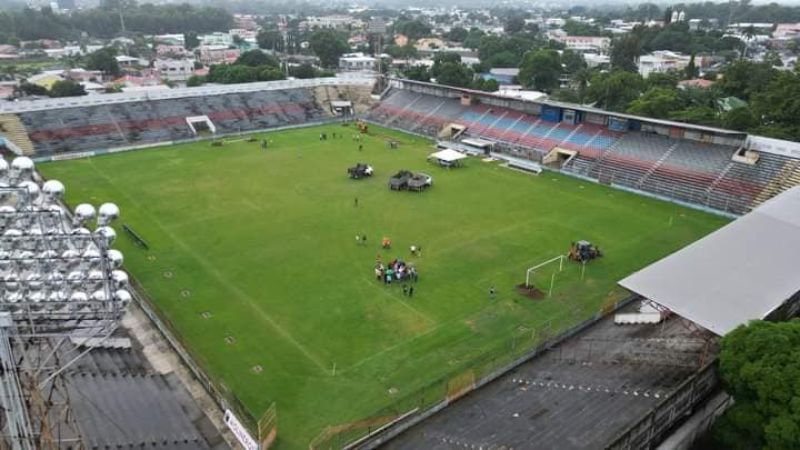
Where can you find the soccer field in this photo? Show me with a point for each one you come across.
(253, 259)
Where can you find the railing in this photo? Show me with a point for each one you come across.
(520, 346)
(651, 429)
(10, 145)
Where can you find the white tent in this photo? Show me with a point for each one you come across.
(447, 157)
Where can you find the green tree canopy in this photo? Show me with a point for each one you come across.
(66, 88)
(414, 29)
(760, 367)
(625, 51)
(104, 60)
(256, 58)
(615, 90)
(328, 45)
(541, 70)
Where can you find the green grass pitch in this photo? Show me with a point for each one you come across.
(264, 241)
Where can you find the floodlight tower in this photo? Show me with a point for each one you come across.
(59, 282)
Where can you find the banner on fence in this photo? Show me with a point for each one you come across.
(240, 431)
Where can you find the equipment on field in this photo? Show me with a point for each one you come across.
(583, 251)
(363, 128)
(405, 179)
(399, 180)
(360, 171)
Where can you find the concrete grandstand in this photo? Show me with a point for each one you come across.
(721, 170)
(56, 127)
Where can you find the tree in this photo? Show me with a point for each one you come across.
(625, 52)
(777, 107)
(443, 57)
(514, 24)
(104, 60)
(66, 88)
(417, 73)
(759, 365)
(190, 40)
(473, 39)
(663, 79)
(328, 45)
(744, 79)
(691, 69)
(740, 119)
(414, 29)
(257, 58)
(490, 85)
(454, 74)
(572, 61)
(749, 33)
(270, 40)
(195, 80)
(32, 89)
(575, 28)
(657, 102)
(615, 90)
(457, 34)
(541, 70)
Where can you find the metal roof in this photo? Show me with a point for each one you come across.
(741, 272)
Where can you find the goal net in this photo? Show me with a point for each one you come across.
(542, 278)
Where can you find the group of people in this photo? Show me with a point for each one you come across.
(396, 270)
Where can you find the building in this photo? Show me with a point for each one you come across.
(503, 76)
(595, 59)
(697, 83)
(582, 44)
(171, 39)
(216, 39)
(125, 61)
(218, 54)
(337, 22)
(172, 51)
(246, 21)
(357, 62)
(175, 69)
(662, 61)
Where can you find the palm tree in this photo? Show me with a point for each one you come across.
(581, 78)
(749, 33)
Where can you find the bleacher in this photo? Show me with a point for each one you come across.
(694, 172)
(142, 122)
(119, 401)
(427, 114)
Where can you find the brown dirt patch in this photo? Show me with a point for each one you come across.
(531, 292)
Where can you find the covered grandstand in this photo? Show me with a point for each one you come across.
(741, 272)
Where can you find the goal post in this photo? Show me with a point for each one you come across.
(532, 271)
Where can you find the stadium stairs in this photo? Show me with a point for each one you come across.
(13, 129)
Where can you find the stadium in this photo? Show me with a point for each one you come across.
(565, 291)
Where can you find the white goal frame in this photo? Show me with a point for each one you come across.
(532, 270)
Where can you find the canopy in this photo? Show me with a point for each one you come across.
(741, 272)
(448, 155)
